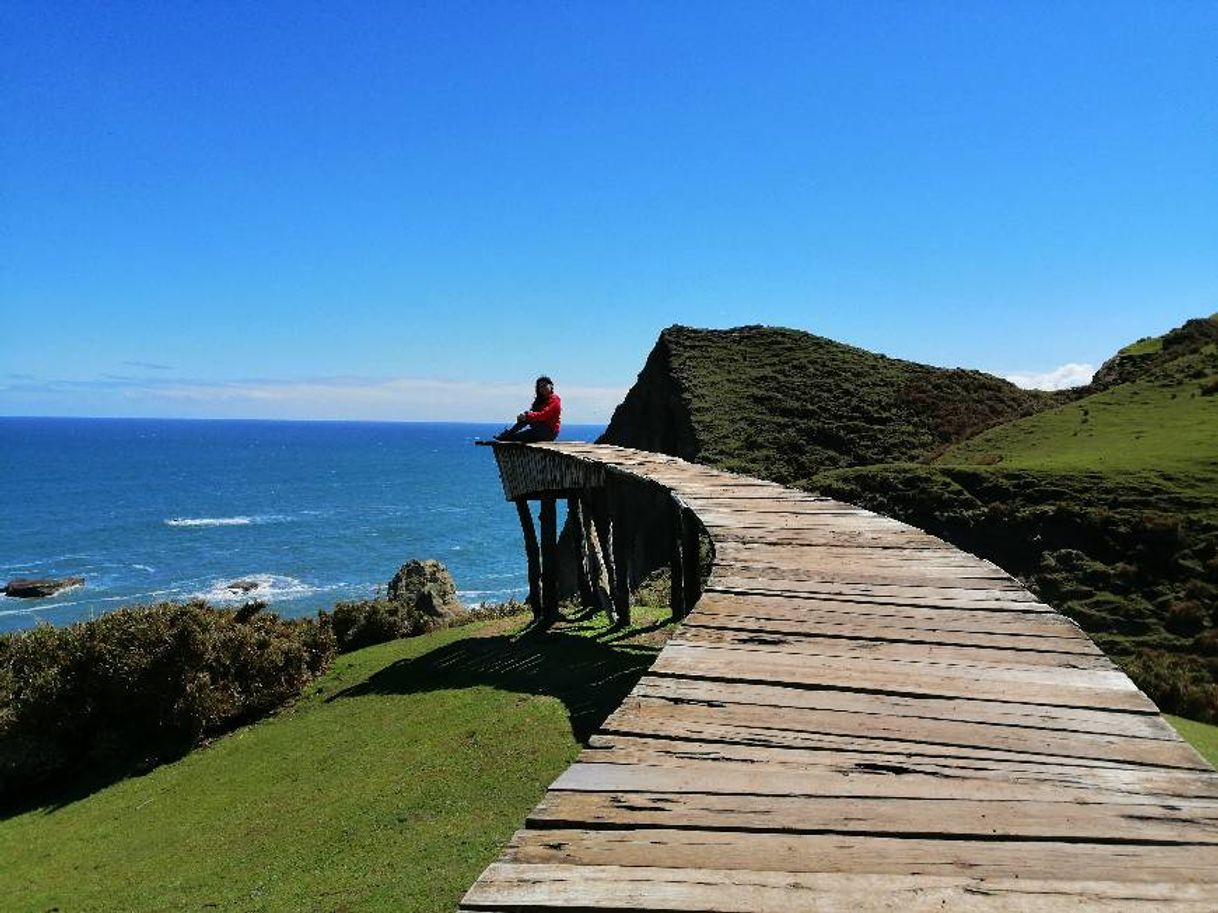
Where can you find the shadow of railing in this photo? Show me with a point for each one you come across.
(590, 676)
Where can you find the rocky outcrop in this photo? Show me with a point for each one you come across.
(41, 588)
(427, 587)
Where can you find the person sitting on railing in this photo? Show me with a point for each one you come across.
(541, 423)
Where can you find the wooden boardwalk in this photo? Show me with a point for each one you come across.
(857, 716)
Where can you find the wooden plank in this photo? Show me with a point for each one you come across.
(995, 713)
(1065, 773)
(717, 778)
(811, 610)
(949, 597)
(987, 859)
(1064, 688)
(879, 628)
(1069, 773)
(511, 887)
(880, 580)
(888, 816)
(797, 725)
(913, 649)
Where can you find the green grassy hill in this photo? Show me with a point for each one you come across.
(1165, 420)
(389, 786)
(786, 405)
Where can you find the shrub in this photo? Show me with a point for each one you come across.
(1178, 684)
(143, 683)
(1185, 617)
(361, 623)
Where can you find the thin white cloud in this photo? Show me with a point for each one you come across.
(1060, 378)
(386, 399)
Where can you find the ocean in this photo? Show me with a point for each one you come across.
(313, 512)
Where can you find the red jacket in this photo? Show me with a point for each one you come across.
(549, 415)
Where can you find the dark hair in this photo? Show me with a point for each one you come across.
(538, 402)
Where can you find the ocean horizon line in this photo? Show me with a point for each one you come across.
(301, 421)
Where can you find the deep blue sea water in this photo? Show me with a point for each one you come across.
(315, 512)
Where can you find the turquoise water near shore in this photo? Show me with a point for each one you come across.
(313, 512)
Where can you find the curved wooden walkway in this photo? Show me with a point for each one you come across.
(859, 717)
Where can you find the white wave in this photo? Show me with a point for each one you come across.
(210, 521)
(225, 521)
(143, 567)
(270, 587)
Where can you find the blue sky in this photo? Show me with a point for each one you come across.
(408, 210)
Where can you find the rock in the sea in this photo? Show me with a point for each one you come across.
(37, 589)
(428, 587)
(241, 587)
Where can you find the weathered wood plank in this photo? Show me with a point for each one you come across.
(1070, 773)
(807, 608)
(876, 855)
(510, 887)
(755, 723)
(1065, 688)
(885, 816)
(914, 649)
(879, 628)
(717, 778)
(994, 713)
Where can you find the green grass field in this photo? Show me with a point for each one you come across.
(389, 786)
(1170, 428)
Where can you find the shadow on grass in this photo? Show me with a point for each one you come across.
(73, 785)
(591, 677)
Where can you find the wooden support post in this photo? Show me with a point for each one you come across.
(549, 560)
(604, 534)
(598, 574)
(691, 548)
(583, 572)
(676, 567)
(531, 553)
(622, 542)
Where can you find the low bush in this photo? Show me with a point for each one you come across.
(363, 622)
(1180, 682)
(143, 683)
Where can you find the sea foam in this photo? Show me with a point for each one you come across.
(225, 521)
(266, 586)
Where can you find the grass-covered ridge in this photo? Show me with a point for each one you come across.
(389, 786)
(1165, 421)
(785, 404)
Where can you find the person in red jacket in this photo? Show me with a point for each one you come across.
(541, 423)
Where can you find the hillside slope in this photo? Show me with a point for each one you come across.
(786, 405)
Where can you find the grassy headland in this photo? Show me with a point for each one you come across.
(389, 786)
(786, 405)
